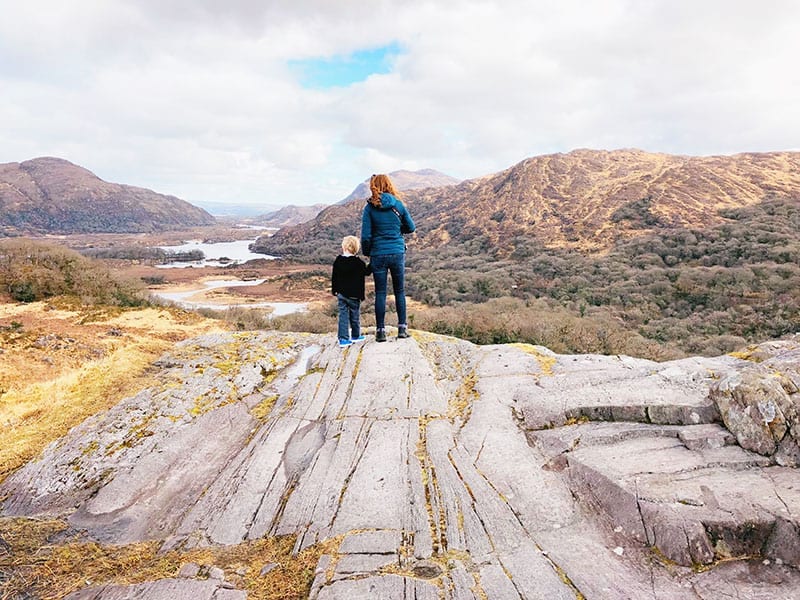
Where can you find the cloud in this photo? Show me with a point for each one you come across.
(199, 98)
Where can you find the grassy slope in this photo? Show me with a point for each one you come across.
(61, 363)
(58, 366)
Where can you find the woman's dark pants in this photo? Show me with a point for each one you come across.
(383, 265)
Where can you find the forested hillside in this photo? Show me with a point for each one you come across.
(586, 200)
(622, 252)
(700, 290)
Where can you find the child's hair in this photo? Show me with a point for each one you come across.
(351, 244)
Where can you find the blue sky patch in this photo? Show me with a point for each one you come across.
(344, 70)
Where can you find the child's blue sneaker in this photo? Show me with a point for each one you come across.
(344, 343)
(360, 338)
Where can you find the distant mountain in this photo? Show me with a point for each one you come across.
(585, 199)
(405, 180)
(52, 195)
(233, 210)
(288, 215)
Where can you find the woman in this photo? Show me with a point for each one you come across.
(383, 223)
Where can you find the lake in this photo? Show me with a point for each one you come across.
(236, 252)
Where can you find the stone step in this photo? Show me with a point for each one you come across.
(696, 501)
(612, 388)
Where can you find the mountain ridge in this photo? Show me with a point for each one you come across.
(288, 215)
(575, 200)
(53, 195)
(405, 180)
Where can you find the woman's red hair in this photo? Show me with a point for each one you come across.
(379, 184)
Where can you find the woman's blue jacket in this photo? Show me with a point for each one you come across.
(380, 226)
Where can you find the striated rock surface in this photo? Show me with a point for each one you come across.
(168, 589)
(441, 470)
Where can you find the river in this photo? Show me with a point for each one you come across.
(184, 298)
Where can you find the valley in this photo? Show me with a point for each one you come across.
(217, 439)
(62, 360)
(622, 251)
(281, 281)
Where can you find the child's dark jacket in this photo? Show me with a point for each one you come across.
(348, 276)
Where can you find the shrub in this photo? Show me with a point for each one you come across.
(33, 270)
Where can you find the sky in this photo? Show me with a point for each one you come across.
(255, 102)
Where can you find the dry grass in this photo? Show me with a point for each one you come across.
(50, 570)
(59, 366)
(61, 363)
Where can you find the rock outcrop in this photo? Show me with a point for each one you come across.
(440, 469)
(760, 404)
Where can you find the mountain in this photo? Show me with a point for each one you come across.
(52, 195)
(233, 210)
(405, 180)
(288, 215)
(585, 199)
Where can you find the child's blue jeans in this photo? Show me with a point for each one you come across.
(349, 317)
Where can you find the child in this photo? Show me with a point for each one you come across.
(347, 284)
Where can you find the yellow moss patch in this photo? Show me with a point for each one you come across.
(662, 558)
(477, 589)
(459, 405)
(202, 404)
(51, 571)
(562, 575)
(546, 362)
(427, 337)
(227, 366)
(742, 354)
(263, 409)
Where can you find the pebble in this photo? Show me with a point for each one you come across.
(427, 569)
(189, 570)
(267, 568)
